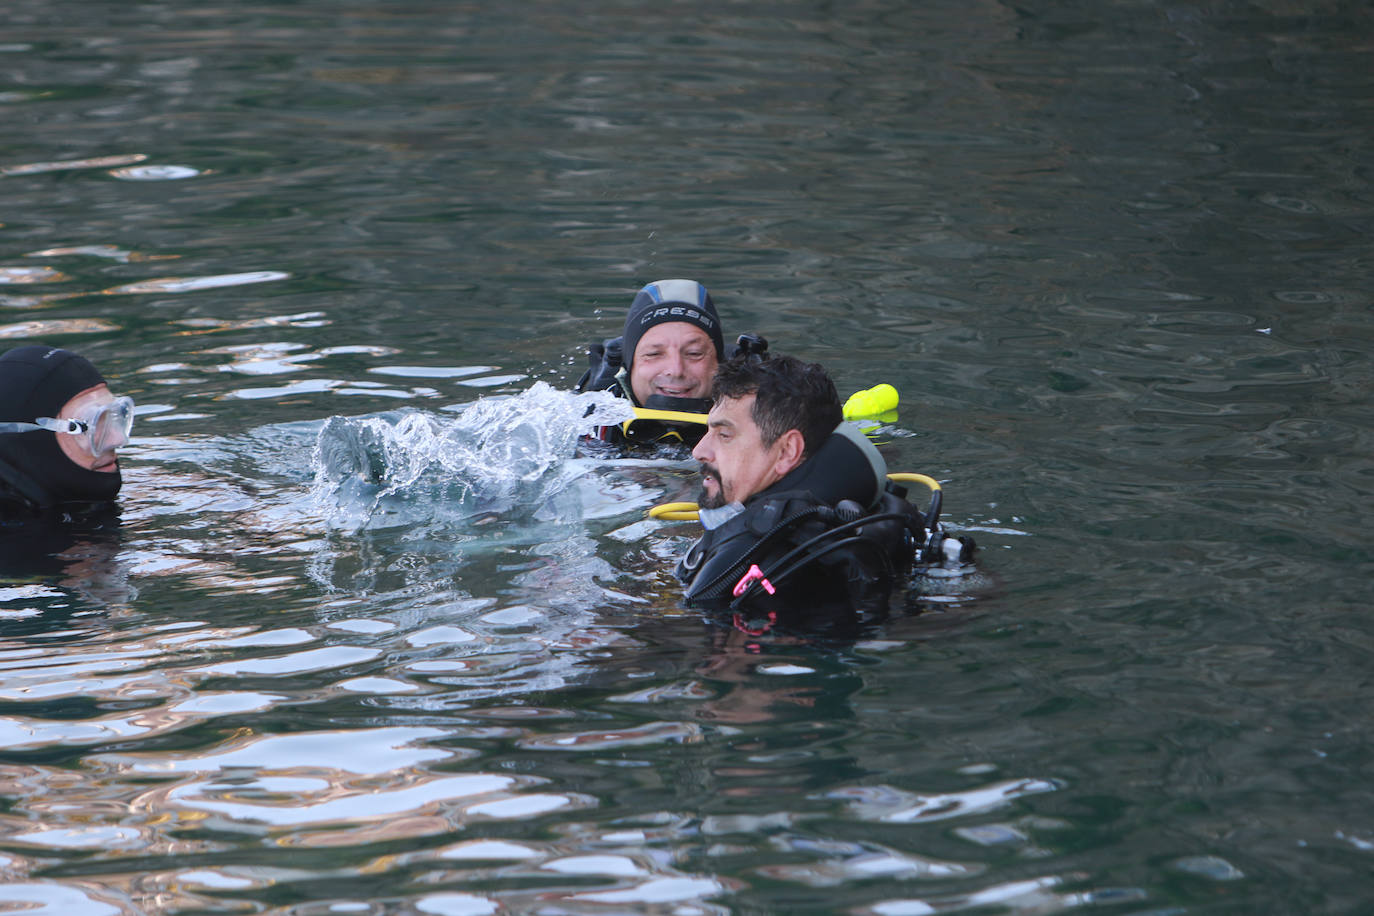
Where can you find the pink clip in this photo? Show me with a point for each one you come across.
(753, 574)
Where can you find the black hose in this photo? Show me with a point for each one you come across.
(811, 542)
(828, 548)
(718, 585)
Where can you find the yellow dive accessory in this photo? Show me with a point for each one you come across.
(871, 402)
(658, 427)
(877, 402)
(687, 512)
(675, 416)
(675, 512)
(930, 482)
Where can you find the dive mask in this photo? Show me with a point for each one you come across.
(99, 428)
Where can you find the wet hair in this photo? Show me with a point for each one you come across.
(788, 394)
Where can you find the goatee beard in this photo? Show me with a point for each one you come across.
(708, 499)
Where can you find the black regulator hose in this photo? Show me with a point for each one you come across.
(721, 582)
(800, 549)
(811, 557)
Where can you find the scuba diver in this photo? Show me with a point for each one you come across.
(59, 476)
(663, 363)
(60, 428)
(802, 522)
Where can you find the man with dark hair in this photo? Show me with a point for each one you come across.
(799, 515)
(767, 417)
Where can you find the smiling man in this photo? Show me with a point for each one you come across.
(663, 362)
(673, 338)
(60, 427)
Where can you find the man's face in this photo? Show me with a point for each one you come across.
(675, 359)
(735, 464)
(76, 406)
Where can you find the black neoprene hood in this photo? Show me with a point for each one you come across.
(36, 381)
(671, 300)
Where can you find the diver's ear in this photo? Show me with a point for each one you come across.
(790, 449)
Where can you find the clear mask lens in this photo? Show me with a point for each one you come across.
(108, 426)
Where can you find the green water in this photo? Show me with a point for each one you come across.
(1115, 257)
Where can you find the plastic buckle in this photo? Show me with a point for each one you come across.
(754, 574)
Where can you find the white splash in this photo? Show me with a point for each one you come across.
(496, 448)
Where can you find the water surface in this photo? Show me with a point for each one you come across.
(1115, 257)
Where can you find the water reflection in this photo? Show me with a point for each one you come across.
(48, 328)
(37, 275)
(31, 275)
(112, 252)
(67, 165)
(155, 172)
(74, 560)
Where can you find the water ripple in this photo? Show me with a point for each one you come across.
(1034, 895)
(362, 751)
(869, 861)
(195, 284)
(888, 805)
(31, 275)
(598, 741)
(97, 162)
(316, 801)
(155, 172)
(112, 252)
(51, 898)
(56, 327)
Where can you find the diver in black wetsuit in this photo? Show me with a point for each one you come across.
(802, 523)
(60, 428)
(663, 363)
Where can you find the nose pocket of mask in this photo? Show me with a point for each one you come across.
(109, 428)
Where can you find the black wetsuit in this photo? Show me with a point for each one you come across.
(828, 541)
(36, 543)
(39, 529)
(36, 381)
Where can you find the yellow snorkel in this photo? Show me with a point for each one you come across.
(668, 418)
(674, 416)
(688, 512)
(876, 402)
